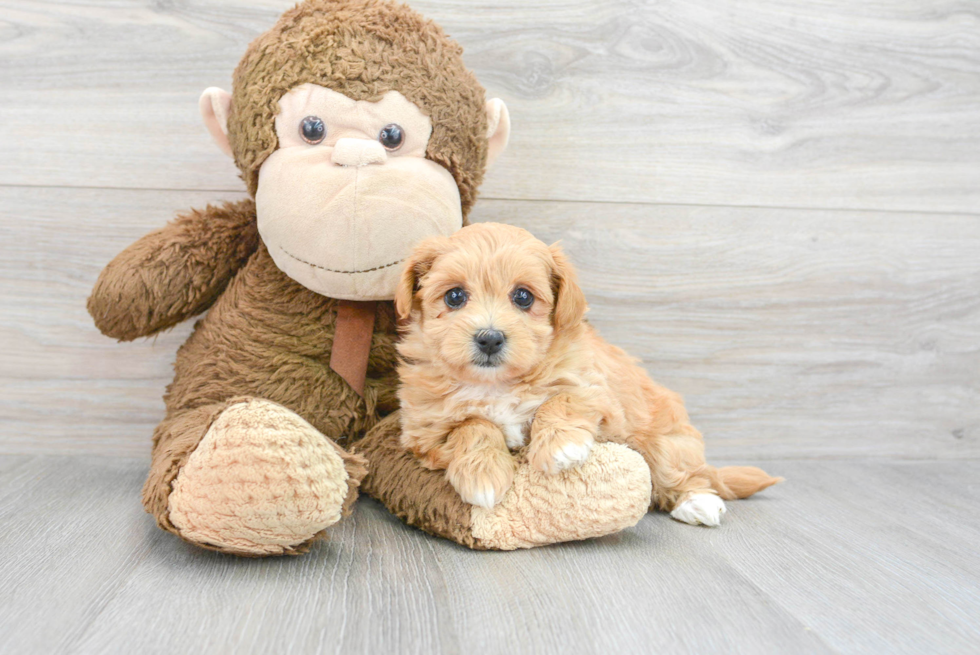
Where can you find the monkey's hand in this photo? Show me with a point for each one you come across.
(174, 273)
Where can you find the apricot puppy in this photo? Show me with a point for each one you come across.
(496, 355)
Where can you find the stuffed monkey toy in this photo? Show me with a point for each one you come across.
(358, 132)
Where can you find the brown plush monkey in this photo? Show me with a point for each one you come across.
(358, 132)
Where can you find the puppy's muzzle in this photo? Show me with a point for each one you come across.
(489, 343)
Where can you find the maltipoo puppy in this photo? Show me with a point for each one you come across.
(496, 355)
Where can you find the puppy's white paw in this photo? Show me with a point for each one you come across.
(557, 450)
(700, 509)
(482, 497)
(571, 455)
(482, 479)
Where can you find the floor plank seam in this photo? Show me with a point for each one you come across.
(815, 208)
(773, 602)
(108, 597)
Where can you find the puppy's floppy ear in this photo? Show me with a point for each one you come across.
(417, 265)
(570, 306)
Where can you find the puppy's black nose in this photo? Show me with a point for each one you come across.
(489, 341)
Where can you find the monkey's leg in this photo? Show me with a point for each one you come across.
(607, 493)
(248, 477)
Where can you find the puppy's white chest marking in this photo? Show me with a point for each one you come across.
(508, 411)
(512, 418)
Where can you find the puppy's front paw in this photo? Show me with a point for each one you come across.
(700, 509)
(482, 478)
(560, 448)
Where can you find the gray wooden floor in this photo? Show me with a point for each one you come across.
(775, 204)
(859, 555)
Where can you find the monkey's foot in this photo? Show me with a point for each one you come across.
(263, 481)
(609, 492)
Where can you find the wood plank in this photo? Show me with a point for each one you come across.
(873, 556)
(768, 103)
(73, 531)
(791, 333)
(11, 462)
(380, 586)
(854, 556)
(376, 586)
(370, 589)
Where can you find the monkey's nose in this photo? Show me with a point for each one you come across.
(489, 341)
(358, 152)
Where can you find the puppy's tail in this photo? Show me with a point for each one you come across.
(733, 482)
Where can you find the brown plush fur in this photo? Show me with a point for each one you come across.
(266, 336)
(362, 48)
(174, 273)
(556, 381)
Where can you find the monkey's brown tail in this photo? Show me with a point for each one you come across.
(733, 482)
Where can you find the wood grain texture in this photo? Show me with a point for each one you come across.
(874, 556)
(791, 333)
(840, 104)
(854, 556)
(73, 533)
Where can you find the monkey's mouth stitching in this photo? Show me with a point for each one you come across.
(334, 270)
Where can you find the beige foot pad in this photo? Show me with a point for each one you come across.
(261, 482)
(608, 493)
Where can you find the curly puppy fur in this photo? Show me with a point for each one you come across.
(555, 381)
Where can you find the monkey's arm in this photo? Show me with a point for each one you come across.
(174, 273)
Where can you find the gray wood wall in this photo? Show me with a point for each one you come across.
(775, 204)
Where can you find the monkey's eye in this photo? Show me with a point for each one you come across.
(391, 136)
(522, 298)
(312, 129)
(455, 298)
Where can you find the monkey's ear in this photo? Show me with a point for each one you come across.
(215, 107)
(498, 128)
(418, 264)
(570, 305)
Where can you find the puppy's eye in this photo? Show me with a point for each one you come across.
(455, 298)
(522, 298)
(312, 129)
(391, 136)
